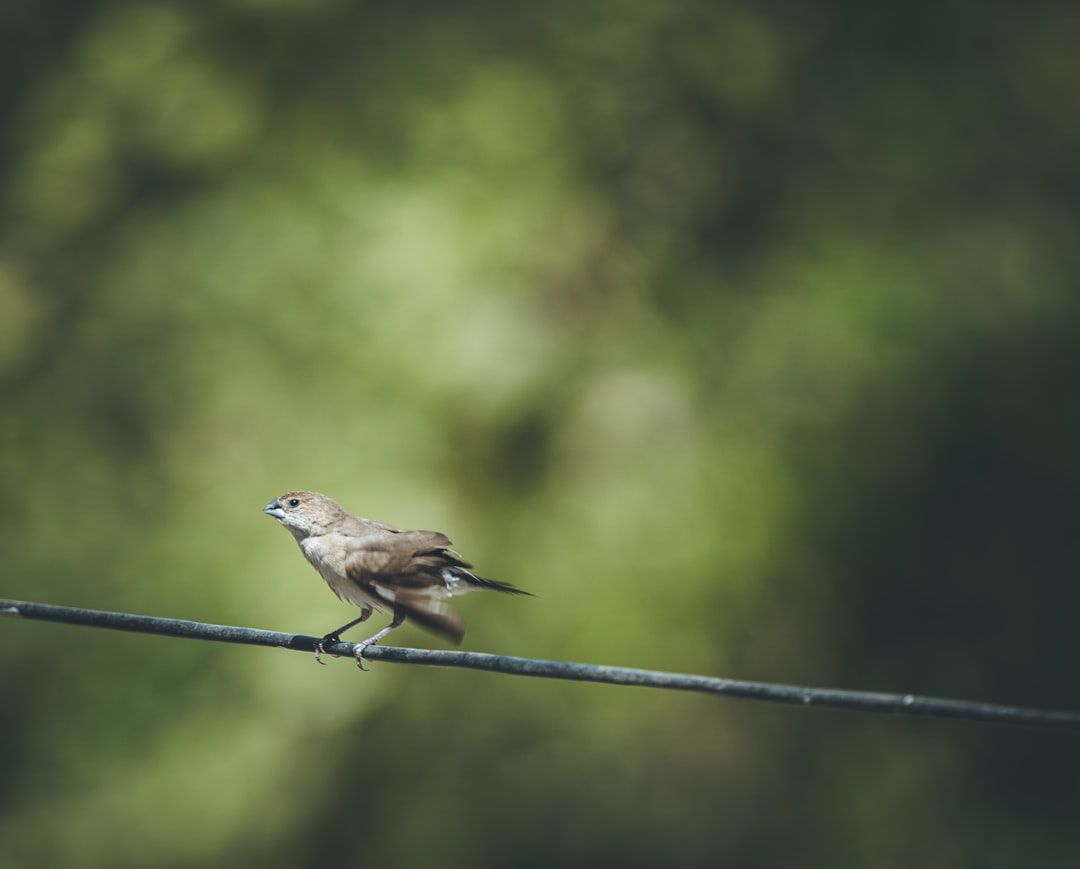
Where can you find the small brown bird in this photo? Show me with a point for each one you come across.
(379, 567)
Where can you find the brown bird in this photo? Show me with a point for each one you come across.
(379, 567)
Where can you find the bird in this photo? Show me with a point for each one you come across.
(380, 567)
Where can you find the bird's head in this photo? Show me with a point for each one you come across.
(305, 514)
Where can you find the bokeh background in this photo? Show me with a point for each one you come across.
(744, 335)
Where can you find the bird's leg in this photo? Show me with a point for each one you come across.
(335, 636)
(399, 617)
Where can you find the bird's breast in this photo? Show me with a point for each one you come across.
(328, 559)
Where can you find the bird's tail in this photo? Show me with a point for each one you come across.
(459, 580)
(495, 585)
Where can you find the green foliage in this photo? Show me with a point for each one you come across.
(743, 335)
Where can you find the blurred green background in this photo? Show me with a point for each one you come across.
(746, 336)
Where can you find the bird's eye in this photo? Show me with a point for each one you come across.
(294, 502)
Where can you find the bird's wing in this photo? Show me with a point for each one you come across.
(414, 558)
(406, 571)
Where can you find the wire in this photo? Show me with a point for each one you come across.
(833, 698)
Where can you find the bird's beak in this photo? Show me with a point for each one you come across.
(274, 509)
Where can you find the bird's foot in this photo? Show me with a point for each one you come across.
(359, 652)
(320, 646)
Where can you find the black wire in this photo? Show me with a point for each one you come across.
(862, 701)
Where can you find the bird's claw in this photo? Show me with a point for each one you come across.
(359, 652)
(320, 647)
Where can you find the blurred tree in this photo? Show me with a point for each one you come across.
(743, 335)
